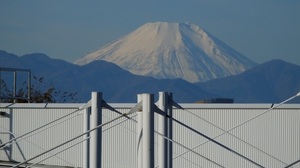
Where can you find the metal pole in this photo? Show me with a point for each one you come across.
(15, 87)
(96, 136)
(162, 129)
(148, 131)
(85, 144)
(139, 130)
(29, 86)
(170, 131)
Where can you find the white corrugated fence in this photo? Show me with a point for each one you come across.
(271, 140)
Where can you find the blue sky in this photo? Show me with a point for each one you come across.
(262, 30)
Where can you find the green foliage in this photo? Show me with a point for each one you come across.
(40, 93)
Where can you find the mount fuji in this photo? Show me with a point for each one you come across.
(270, 82)
(172, 50)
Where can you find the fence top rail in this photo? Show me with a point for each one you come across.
(237, 106)
(130, 105)
(42, 105)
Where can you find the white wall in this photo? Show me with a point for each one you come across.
(271, 140)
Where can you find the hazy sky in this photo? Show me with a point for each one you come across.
(69, 29)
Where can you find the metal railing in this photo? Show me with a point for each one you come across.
(14, 96)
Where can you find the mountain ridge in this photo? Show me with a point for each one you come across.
(272, 82)
(116, 84)
(172, 50)
(269, 82)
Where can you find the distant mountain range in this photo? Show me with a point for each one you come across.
(172, 50)
(116, 84)
(273, 81)
(270, 82)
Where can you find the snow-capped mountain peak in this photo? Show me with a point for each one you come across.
(172, 50)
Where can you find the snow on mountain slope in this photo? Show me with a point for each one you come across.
(172, 50)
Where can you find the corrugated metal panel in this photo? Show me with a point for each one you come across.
(5, 133)
(24, 120)
(119, 141)
(271, 140)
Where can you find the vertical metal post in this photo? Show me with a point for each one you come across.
(11, 136)
(15, 87)
(148, 131)
(96, 135)
(29, 86)
(139, 131)
(162, 129)
(85, 144)
(170, 131)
